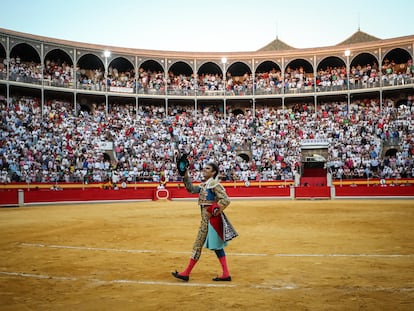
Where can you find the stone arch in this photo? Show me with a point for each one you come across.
(390, 152)
(238, 69)
(181, 67)
(25, 52)
(298, 64)
(332, 61)
(245, 155)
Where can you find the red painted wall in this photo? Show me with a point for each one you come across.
(376, 191)
(312, 192)
(9, 197)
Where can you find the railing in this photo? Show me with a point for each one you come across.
(393, 141)
(238, 92)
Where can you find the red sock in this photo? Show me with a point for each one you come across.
(190, 267)
(223, 263)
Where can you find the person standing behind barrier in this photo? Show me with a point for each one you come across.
(212, 200)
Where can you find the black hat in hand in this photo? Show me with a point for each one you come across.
(182, 164)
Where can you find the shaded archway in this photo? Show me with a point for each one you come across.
(180, 68)
(24, 52)
(244, 156)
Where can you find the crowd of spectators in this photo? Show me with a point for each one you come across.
(60, 73)
(55, 144)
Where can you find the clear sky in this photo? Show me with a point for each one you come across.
(208, 25)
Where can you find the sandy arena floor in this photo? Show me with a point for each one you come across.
(290, 255)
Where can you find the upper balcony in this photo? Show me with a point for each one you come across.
(52, 64)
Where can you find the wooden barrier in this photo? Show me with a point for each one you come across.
(312, 192)
(374, 191)
(9, 197)
(143, 191)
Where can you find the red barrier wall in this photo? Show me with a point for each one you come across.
(313, 192)
(258, 192)
(77, 195)
(9, 197)
(376, 191)
(313, 181)
(179, 193)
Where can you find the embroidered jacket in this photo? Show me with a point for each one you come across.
(209, 192)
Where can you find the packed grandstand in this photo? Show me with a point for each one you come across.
(72, 114)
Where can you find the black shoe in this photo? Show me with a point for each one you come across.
(179, 276)
(219, 279)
